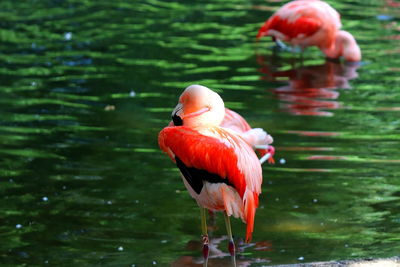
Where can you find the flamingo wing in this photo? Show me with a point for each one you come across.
(289, 28)
(234, 121)
(222, 157)
(201, 157)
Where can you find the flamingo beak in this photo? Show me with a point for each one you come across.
(176, 118)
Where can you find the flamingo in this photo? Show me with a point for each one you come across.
(219, 167)
(311, 23)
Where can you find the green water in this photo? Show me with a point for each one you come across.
(85, 87)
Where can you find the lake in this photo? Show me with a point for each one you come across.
(86, 86)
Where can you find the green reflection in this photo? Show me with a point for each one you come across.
(87, 85)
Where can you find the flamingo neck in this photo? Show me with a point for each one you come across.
(345, 45)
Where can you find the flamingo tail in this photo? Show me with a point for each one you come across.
(251, 203)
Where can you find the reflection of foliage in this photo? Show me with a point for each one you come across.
(107, 184)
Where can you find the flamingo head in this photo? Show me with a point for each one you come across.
(198, 106)
(345, 45)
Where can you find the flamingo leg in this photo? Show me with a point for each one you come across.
(205, 236)
(265, 158)
(231, 245)
(297, 49)
(261, 146)
(280, 46)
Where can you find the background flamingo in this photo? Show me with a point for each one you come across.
(219, 168)
(306, 23)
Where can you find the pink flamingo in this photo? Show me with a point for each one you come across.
(311, 23)
(219, 168)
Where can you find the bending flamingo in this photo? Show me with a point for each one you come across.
(311, 23)
(219, 168)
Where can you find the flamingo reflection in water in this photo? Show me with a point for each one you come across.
(311, 89)
(217, 257)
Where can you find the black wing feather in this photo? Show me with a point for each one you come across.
(195, 177)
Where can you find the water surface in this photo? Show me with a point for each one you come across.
(87, 85)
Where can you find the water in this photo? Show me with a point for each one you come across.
(87, 85)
